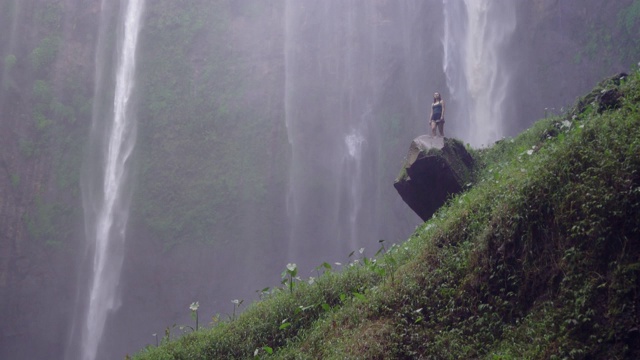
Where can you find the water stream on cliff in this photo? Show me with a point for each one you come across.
(351, 73)
(107, 204)
(475, 33)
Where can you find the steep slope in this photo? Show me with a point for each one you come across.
(540, 259)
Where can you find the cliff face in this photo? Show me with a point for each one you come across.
(46, 53)
(561, 48)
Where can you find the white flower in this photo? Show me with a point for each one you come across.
(361, 250)
(291, 267)
(236, 301)
(529, 152)
(194, 306)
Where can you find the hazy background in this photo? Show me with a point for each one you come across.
(267, 133)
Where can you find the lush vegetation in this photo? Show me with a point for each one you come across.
(46, 95)
(539, 259)
(207, 159)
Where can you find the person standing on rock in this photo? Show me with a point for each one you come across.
(437, 115)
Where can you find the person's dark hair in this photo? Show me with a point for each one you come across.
(436, 98)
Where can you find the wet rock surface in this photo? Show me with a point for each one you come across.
(435, 169)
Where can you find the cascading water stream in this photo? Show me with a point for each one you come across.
(326, 95)
(476, 31)
(107, 230)
(353, 162)
(350, 91)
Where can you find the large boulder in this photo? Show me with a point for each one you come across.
(435, 169)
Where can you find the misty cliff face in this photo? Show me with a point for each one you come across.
(46, 59)
(213, 151)
(561, 48)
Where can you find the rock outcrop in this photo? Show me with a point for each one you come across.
(605, 96)
(434, 169)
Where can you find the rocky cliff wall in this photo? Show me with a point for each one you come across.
(46, 55)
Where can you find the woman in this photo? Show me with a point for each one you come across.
(437, 114)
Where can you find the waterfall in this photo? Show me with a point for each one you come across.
(106, 201)
(352, 84)
(475, 34)
(327, 105)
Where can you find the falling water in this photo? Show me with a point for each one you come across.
(476, 32)
(353, 163)
(106, 231)
(351, 80)
(327, 108)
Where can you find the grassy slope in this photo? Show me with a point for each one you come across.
(540, 259)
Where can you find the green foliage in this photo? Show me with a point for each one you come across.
(630, 17)
(42, 122)
(55, 141)
(9, 62)
(45, 54)
(62, 111)
(194, 312)
(41, 223)
(199, 142)
(49, 16)
(539, 260)
(15, 180)
(288, 275)
(27, 148)
(42, 92)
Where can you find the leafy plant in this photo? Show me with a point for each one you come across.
(43, 56)
(194, 312)
(288, 275)
(236, 305)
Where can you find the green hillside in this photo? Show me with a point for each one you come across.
(540, 259)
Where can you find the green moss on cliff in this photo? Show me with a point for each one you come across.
(208, 160)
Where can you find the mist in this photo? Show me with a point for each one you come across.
(252, 135)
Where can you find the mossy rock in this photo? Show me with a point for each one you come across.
(434, 170)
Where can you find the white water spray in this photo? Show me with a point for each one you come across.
(112, 212)
(475, 34)
(353, 162)
(329, 86)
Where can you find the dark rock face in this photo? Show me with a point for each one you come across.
(435, 169)
(605, 96)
